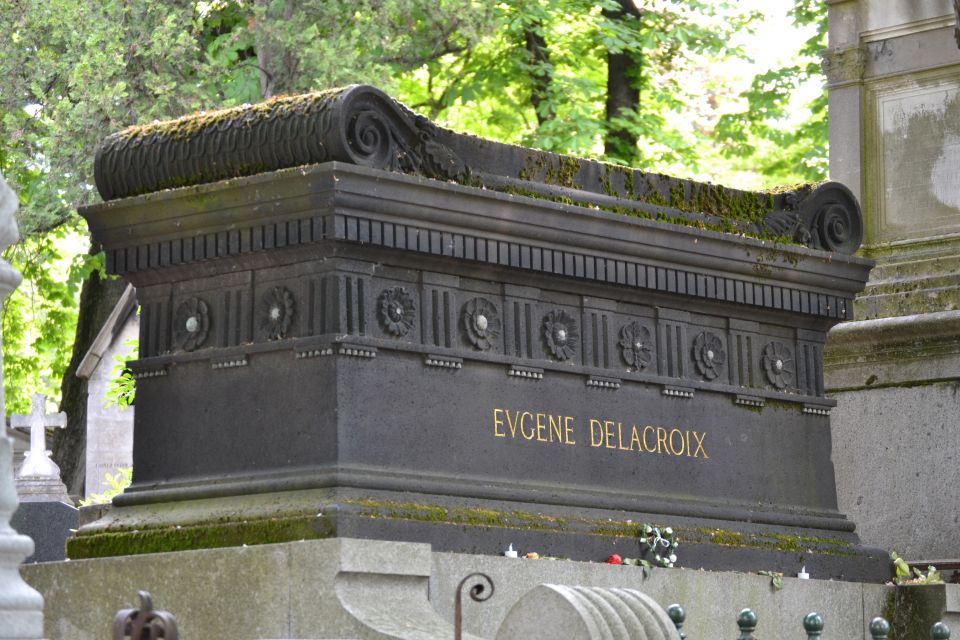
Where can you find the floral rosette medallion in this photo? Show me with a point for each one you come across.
(636, 345)
(778, 364)
(708, 354)
(396, 311)
(191, 323)
(481, 322)
(560, 334)
(276, 312)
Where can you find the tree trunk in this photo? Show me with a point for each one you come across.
(97, 299)
(623, 93)
(277, 64)
(539, 58)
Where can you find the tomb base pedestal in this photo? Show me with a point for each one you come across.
(475, 526)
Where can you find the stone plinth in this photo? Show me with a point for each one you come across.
(448, 360)
(894, 79)
(350, 588)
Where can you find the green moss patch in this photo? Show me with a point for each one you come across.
(206, 536)
(194, 124)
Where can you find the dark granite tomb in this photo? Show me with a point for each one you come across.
(356, 323)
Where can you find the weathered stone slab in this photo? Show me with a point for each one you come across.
(50, 525)
(306, 590)
(400, 335)
(894, 73)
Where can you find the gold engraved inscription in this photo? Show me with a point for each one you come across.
(549, 428)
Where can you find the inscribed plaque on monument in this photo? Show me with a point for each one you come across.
(916, 145)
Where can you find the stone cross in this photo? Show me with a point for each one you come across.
(37, 462)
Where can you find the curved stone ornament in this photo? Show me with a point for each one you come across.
(396, 311)
(277, 307)
(778, 364)
(708, 354)
(561, 335)
(481, 323)
(357, 124)
(191, 323)
(636, 345)
(826, 217)
(586, 613)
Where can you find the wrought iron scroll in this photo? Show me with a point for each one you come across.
(480, 591)
(144, 623)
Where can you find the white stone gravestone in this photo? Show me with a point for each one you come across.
(21, 608)
(38, 479)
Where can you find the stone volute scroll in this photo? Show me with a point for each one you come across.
(361, 125)
(356, 124)
(552, 611)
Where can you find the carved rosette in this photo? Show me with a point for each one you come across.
(708, 354)
(636, 345)
(560, 334)
(481, 323)
(277, 307)
(396, 311)
(191, 323)
(778, 364)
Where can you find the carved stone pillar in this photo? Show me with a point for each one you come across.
(21, 608)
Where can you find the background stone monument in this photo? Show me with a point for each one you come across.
(109, 443)
(38, 478)
(46, 513)
(21, 608)
(893, 69)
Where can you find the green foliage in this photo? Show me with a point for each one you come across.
(488, 89)
(786, 151)
(123, 386)
(118, 482)
(903, 574)
(776, 578)
(640, 562)
(39, 318)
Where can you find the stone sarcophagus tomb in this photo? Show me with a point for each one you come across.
(356, 323)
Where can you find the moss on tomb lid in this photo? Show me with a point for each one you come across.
(361, 125)
(194, 123)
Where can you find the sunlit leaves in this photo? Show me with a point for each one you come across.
(777, 147)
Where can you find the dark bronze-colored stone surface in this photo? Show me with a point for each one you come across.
(379, 336)
(361, 125)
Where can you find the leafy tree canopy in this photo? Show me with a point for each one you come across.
(591, 78)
